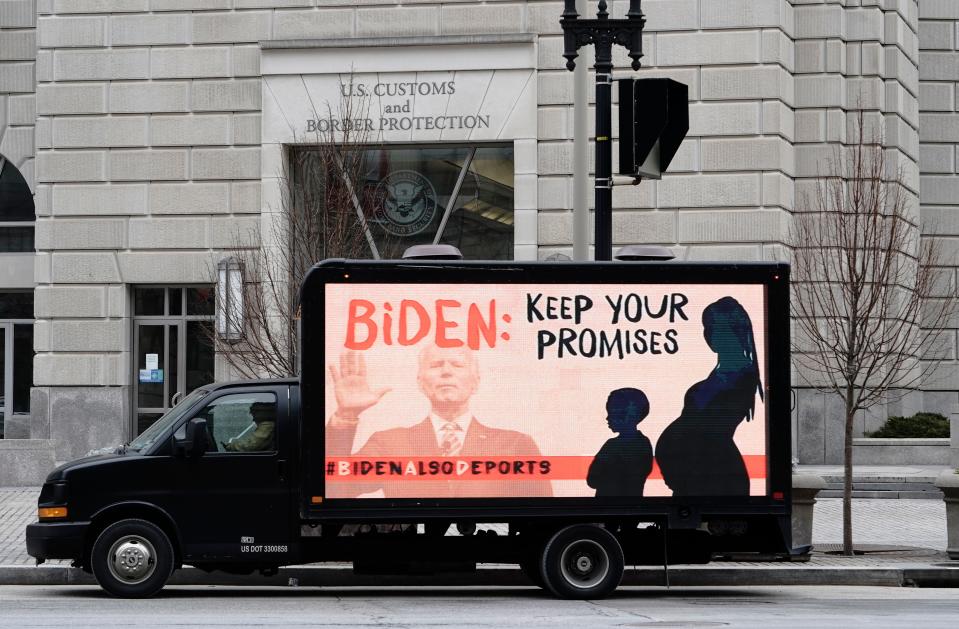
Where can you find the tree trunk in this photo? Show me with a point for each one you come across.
(847, 548)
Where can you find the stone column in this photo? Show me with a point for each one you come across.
(851, 56)
(954, 436)
(948, 482)
(805, 489)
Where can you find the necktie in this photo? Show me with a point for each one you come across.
(450, 441)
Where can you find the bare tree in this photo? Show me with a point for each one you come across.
(867, 325)
(323, 215)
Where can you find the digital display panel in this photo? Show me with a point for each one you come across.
(566, 390)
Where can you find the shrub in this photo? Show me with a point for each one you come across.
(918, 426)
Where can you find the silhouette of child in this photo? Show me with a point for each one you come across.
(621, 466)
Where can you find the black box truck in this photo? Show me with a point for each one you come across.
(570, 418)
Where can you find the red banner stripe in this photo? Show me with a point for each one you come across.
(358, 469)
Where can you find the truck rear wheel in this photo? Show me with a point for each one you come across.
(582, 562)
(132, 559)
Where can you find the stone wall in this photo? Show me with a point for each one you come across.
(939, 135)
(148, 132)
(22, 461)
(148, 136)
(18, 53)
(729, 189)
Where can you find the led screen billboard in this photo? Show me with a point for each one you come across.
(521, 390)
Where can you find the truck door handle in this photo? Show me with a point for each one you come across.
(281, 469)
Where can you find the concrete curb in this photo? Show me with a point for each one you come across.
(342, 576)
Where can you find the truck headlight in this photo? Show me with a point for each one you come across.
(52, 513)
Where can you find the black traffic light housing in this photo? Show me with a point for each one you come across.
(653, 120)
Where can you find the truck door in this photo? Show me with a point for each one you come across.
(235, 500)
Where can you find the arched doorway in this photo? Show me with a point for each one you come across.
(17, 216)
(17, 212)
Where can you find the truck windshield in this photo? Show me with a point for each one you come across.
(151, 434)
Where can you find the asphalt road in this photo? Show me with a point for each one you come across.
(216, 606)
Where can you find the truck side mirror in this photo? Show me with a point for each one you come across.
(194, 443)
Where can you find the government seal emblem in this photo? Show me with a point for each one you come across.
(405, 202)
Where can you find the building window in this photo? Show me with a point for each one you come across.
(16, 208)
(16, 361)
(374, 202)
(173, 349)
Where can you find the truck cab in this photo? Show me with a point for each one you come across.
(209, 484)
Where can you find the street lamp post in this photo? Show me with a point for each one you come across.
(603, 33)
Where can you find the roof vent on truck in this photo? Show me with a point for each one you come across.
(644, 253)
(432, 252)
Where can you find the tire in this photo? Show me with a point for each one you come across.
(582, 562)
(132, 559)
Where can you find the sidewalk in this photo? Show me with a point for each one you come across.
(904, 543)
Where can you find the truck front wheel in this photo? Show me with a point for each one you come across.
(132, 559)
(582, 562)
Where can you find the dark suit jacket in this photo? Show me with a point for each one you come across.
(480, 441)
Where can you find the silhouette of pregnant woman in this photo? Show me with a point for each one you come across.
(696, 453)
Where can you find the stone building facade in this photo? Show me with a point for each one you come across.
(153, 131)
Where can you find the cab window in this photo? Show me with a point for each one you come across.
(244, 422)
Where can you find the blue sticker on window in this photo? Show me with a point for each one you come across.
(151, 375)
